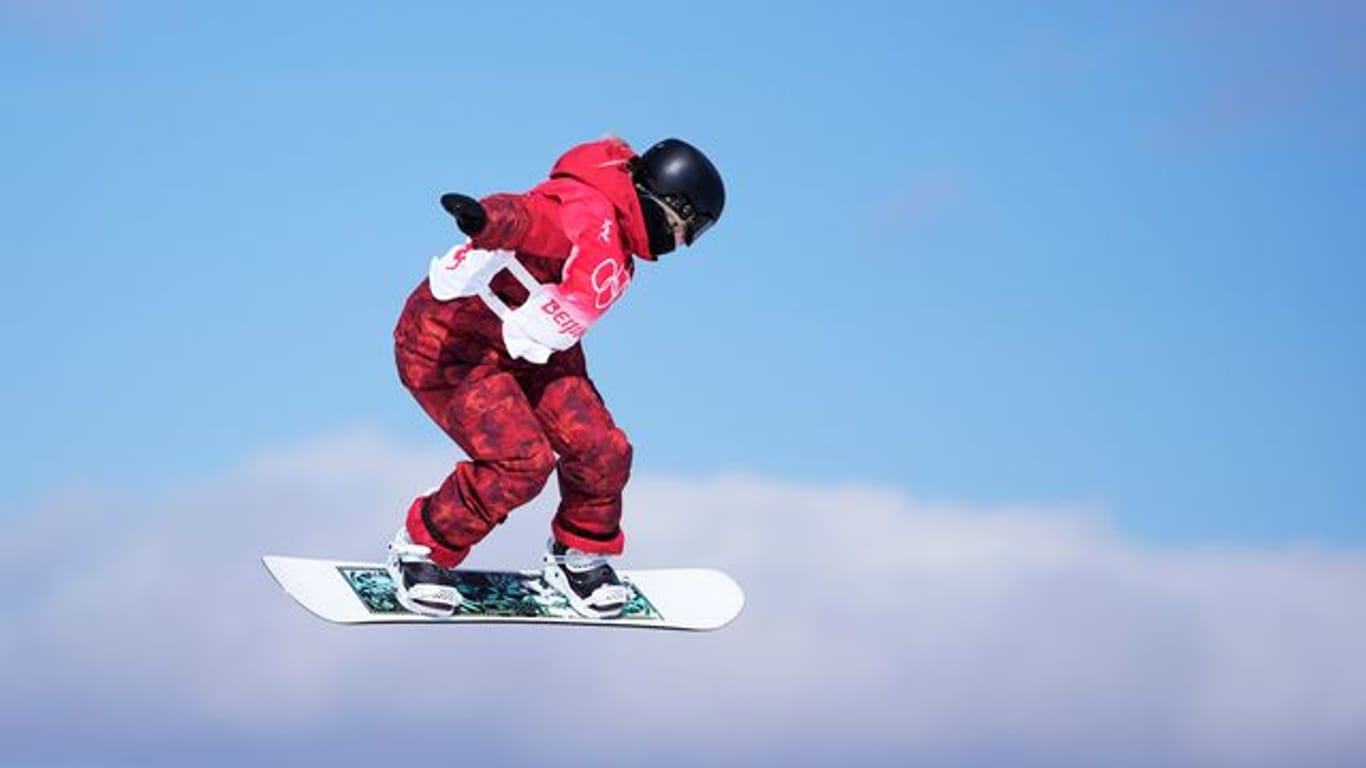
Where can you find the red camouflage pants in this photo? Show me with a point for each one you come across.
(512, 419)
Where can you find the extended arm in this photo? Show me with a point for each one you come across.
(529, 223)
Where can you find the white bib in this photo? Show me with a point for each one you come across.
(533, 331)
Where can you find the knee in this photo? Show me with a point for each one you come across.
(617, 455)
(603, 464)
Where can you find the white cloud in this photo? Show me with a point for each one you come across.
(876, 627)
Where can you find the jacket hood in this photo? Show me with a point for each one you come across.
(605, 165)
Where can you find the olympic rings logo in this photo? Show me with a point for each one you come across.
(609, 280)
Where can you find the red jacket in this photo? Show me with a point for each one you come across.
(575, 233)
(543, 221)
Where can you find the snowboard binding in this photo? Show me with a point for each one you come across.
(420, 585)
(586, 580)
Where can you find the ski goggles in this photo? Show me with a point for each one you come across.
(681, 212)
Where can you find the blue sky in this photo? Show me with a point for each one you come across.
(1062, 254)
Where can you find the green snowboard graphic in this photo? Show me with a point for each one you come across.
(488, 593)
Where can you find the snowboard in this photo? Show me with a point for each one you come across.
(362, 593)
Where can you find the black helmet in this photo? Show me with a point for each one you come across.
(678, 175)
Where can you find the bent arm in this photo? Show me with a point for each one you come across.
(598, 270)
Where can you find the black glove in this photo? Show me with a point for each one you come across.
(469, 215)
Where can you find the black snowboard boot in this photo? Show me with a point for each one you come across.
(587, 580)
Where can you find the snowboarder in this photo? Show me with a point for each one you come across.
(489, 346)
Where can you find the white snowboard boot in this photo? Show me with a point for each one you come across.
(420, 585)
(587, 580)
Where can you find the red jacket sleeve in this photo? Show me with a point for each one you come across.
(529, 223)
